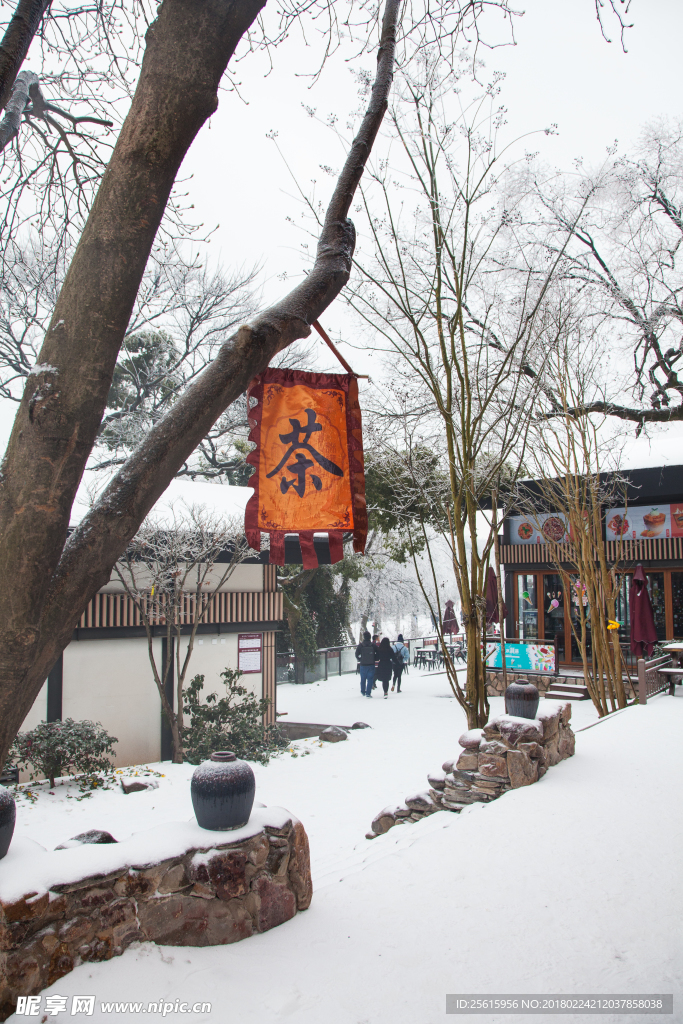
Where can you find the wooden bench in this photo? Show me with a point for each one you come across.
(672, 673)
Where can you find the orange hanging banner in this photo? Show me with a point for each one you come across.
(308, 462)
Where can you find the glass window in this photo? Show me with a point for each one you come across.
(527, 607)
(677, 603)
(655, 582)
(553, 612)
(578, 593)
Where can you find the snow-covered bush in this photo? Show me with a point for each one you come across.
(233, 722)
(64, 748)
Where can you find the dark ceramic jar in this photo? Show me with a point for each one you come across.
(8, 816)
(223, 792)
(521, 699)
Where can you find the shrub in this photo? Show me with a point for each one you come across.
(233, 722)
(64, 748)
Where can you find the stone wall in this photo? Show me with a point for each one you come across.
(541, 680)
(508, 753)
(212, 888)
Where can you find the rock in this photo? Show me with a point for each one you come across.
(449, 765)
(333, 734)
(567, 743)
(361, 725)
(370, 835)
(471, 739)
(523, 771)
(383, 822)
(533, 750)
(515, 729)
(420, 802)
(300, 867)
(493, 765)
(453, 806)
(436, 779)
(493, 747)
(401, 812)
(552, 752)
(437, 796)
(469, 759)
(95, 835)
(137, 786)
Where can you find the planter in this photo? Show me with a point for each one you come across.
(8, 816)
(521, 699)
(223, 792)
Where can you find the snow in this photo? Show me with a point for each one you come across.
(31, 868)
(569, 885)
(222, 499)
(43, 368)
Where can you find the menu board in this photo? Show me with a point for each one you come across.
(643, 521)
(249, 652)
(538, 529)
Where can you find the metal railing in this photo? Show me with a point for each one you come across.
(335, 661)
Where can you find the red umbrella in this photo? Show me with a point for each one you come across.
(492, 598)
(450, 623)
(643, 631)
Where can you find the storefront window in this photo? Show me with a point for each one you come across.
(527, 607)
(655, 582)
(677, 603)
(553, 612)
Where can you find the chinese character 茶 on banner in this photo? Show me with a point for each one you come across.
(308, 462)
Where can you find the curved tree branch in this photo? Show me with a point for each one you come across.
(16, 41)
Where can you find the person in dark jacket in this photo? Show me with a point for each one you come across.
(365, 656)
(401, 656)
(375, 644)
(385, 664)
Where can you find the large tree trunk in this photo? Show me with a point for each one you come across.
(188, 49)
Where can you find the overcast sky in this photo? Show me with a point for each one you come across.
(560, 71)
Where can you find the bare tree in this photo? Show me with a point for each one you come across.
(187, 51)
(575, 462)
(468, 340)
(62, 408)
(622, 260)
(171, 571)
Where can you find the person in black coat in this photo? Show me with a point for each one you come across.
(385, 664)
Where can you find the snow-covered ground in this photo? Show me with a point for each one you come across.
(566, 886)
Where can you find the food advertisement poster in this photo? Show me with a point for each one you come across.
(643, 521)
(522, 657)
(539, 529)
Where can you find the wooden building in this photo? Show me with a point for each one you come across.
(648, 530)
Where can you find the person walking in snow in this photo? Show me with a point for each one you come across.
(385, 665)
(401, 658)
(365, 656)
(375, 644)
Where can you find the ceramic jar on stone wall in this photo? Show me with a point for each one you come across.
(222, 792)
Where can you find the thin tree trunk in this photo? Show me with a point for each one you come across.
(187, 52)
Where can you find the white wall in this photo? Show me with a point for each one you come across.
(242, 578)
(38, 712)
(111, 681)
(211, 655)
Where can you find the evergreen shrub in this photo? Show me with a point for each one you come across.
(233, 722)
(54, 749)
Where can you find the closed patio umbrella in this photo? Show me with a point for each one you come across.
(643, 630)
(492, 598)
(450, 623)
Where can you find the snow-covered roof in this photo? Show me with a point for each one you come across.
(223, 499)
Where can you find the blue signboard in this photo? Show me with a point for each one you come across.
(537, 657)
